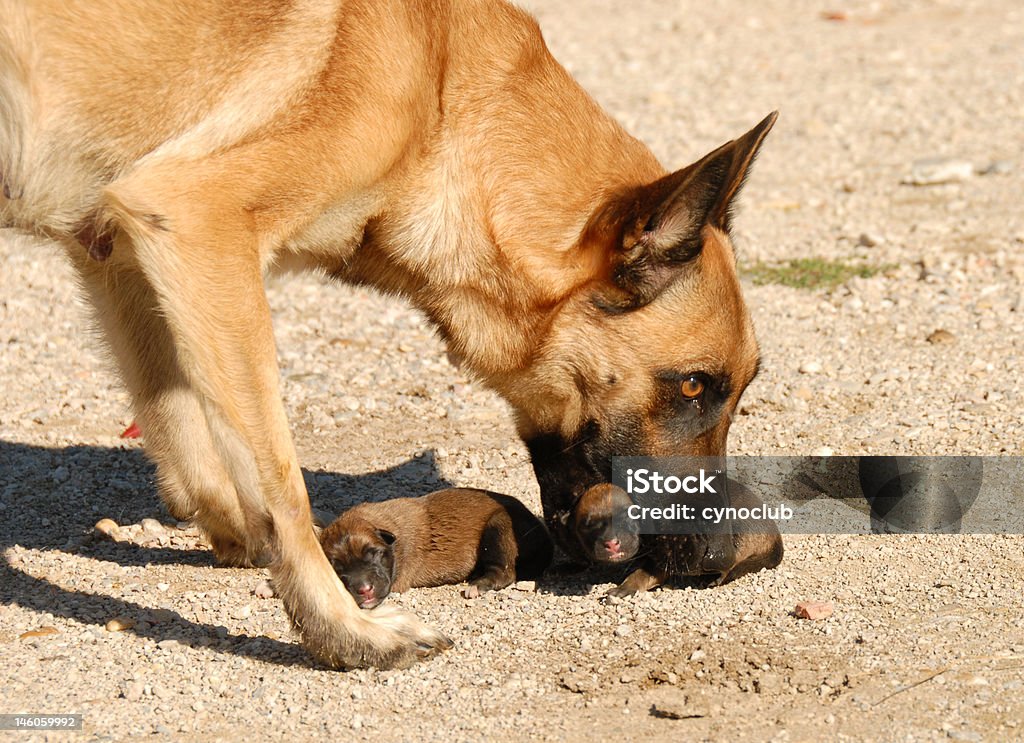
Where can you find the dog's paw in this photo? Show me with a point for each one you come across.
(383, 638)
(410, 639)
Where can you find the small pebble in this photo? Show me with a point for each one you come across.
(134, 690)
(938, 170)
(810, 367)
(870, 240)
(814, 610)
(940, 336)
(120, 624)
(152, 527)
(107, 528)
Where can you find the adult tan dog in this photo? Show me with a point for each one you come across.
(430, 148)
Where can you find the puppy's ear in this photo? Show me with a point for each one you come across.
(385, 536)
(654, 232)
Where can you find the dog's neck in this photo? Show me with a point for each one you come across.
(484, 230)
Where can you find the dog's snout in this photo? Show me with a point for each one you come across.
(613, 545)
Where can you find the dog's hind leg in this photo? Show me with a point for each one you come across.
(192, 479)
(195, 239)
(496, 561)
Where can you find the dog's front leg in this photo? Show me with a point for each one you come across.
(192, 478)
(196, 246)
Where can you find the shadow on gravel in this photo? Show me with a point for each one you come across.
(572, 579)
(50, 500)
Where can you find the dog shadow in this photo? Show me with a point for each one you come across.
(51, 498)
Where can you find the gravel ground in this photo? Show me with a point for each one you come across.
(927, 637)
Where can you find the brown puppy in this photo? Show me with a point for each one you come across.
(442, 538)
(432, 149)
(756, 545)
(600, 524)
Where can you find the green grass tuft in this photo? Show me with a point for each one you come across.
(809, 273)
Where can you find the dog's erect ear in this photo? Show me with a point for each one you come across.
(385, 536)
(656, 229)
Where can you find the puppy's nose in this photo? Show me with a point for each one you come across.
(365, 591)
(613, 546)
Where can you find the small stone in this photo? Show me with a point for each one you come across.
(106, 528)
(870, 240)
(41, 632)
(578, 683)
(134, 690)
(698, 654)
(526, 585)
(803, 392)
(241, 612)
(968, 735)
(357, 723)
(153, 527)
(61, 474)
(823, 451)
(163, 587)
(630, 676)
(810, 367)
(120, 624)
(264, 590)
(997, 167)
(680, 707)
(623, 630)
(814, 610)
(935, 171)
(940, 336)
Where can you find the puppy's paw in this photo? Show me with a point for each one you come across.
(620, 592)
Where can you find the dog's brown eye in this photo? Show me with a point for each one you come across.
(691, 388)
